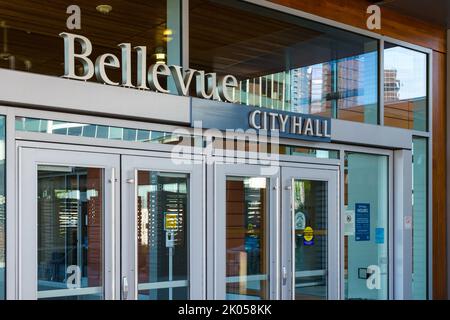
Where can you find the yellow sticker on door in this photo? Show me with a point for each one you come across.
(308, 236)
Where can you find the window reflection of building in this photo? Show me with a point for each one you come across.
(100, 131)
(405, 88)
(287, 63)
(327, 89)
(391, 86)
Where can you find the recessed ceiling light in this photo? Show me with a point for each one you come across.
(104, 8)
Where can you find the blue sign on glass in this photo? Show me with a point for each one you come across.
(379, 235)
(362, 222)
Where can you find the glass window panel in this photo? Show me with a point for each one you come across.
(366, 227)
(162, 235)
(75, 131)
(405, 88)
(60, 131)
(286, 62)
(34, 45)
(89, 131)
(33, 125)
(420, 219)
(310, 152)
(129, 135)
(100, 132)
(2, 208)
(310, 239)
(143, 135)
(247, 240)
(250, 146)
(115, 133)
(70, 233)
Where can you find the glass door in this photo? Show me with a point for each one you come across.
(66, 212)
(162, 230)
(244, 226)
(310, 228)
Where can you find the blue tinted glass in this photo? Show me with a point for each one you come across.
(155, 135)
(75, 131)
(62, 131)
(102, 132)
(366, 233)
(420, 219)
(33, 125)
(129, 134)
(143, 135)
(89, 131)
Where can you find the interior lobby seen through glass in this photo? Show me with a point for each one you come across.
(162, 235)
(310, 231)
(286, 62)
(247, 241)
(70, 233)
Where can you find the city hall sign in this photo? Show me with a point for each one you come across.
(207, 85)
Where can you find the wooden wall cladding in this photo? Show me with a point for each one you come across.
(395, 25)
(412, 30)
(440, 269)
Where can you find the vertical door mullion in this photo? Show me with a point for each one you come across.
(274, 236)
(128, 283)
(333, 226)
(108, 233)
(28, 242)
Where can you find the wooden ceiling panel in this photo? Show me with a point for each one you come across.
(248, 41)
(225, 37)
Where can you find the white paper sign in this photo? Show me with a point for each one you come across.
(349, 223)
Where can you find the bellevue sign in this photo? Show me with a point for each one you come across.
(224, 114)
(208, 85)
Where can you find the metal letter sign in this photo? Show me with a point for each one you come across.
(226, 116)
(208, 86)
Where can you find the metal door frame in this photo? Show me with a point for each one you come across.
(28, 160)
(196, 220)
(331, 176)
(217, 224)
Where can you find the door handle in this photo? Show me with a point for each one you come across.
(125, 288)
(284, 275)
